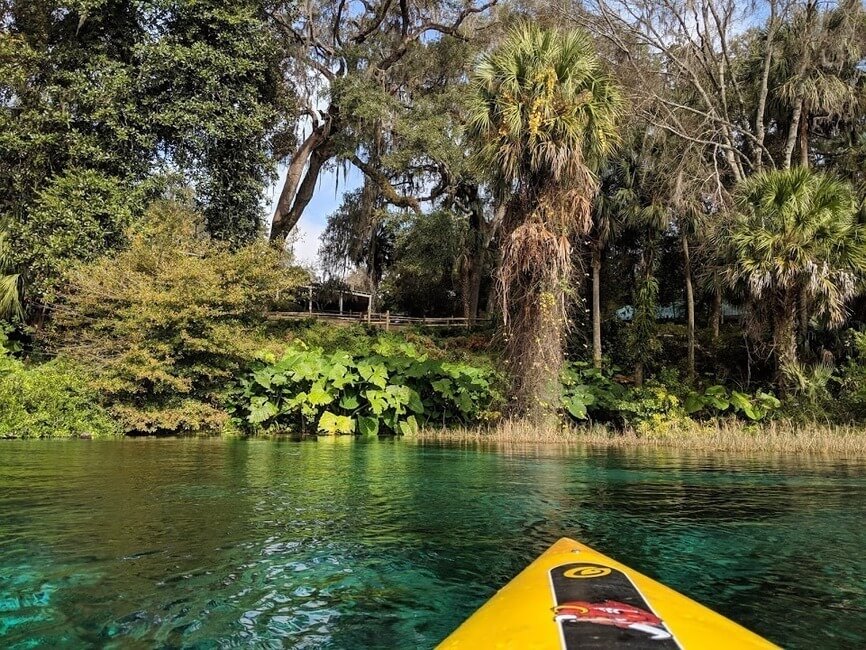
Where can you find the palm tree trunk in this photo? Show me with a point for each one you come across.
(466, 290)
(804, 317)
(716, 313)
(475, 291)
(785, 338)
(638, 374)
(690, 308)
(803, 138)
(792, 133)
(596, 306)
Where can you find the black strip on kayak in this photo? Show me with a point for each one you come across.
(598, 607)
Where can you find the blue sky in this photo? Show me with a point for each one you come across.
(325, 200)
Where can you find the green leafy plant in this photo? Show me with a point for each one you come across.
(170, 321)
(715, 400)
(589, 393)
(393, 390)
(52, 399)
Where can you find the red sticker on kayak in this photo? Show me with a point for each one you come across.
(598, 607)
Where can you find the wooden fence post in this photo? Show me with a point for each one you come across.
(388, 320)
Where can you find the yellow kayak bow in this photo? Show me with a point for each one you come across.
(574, 597)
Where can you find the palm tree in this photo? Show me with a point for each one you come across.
(796, 247)
(542, 114)
(814, 72)
(606, 221)
(10, 284)
(642, 202)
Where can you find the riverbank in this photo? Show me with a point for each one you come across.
(721, 435)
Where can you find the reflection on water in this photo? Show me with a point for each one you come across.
(344, 544)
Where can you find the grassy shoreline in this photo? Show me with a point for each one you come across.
(720, 435)
(782, 436)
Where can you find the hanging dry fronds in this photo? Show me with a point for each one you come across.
(542, 114)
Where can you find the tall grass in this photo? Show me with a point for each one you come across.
(722, 435)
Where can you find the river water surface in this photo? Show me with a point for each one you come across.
(391, 544)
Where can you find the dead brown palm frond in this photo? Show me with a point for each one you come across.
(11, 308)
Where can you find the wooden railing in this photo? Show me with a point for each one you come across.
(386, 320)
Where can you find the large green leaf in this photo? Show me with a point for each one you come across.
(377, 400)
(409, 426)
(743, 404)
(443, 386)
(332, 423)
(340, 376)
(318, 395)
(375, 374)
(694, 403)
(368, 426)
(263, 377)
(261, 410)
(349, 401)
(576, 407)
(717, 397)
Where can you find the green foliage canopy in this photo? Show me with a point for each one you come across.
(169, 320)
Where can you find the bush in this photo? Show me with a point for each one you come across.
(851, 403)
(77, 217)
(589, 393)
(393, 390)
(49, 400)
(167, 322)
(716, 400)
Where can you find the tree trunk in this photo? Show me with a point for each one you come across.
(534, 313)
(478, 247)
(475, 291)
(293, 178)
(785, 339)
(803, 138)
(466, 289)
(792, 133)
(804, 318)
(690, 308)
(318, 158)
(298, 188)
(716, 313)
(761, 113)
(596, 306)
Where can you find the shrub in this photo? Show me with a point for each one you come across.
(168, 321)
(49, 400)
(393, 390)
(589, 393)
(716, 400)
(77, 217)
(851, 382)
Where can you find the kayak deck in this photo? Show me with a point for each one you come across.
(574, 597)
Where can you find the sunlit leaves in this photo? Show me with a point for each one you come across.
(333, 424)
(388, 391)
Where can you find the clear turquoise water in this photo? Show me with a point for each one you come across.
(342, 544)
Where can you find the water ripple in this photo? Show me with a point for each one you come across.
(224, 544)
